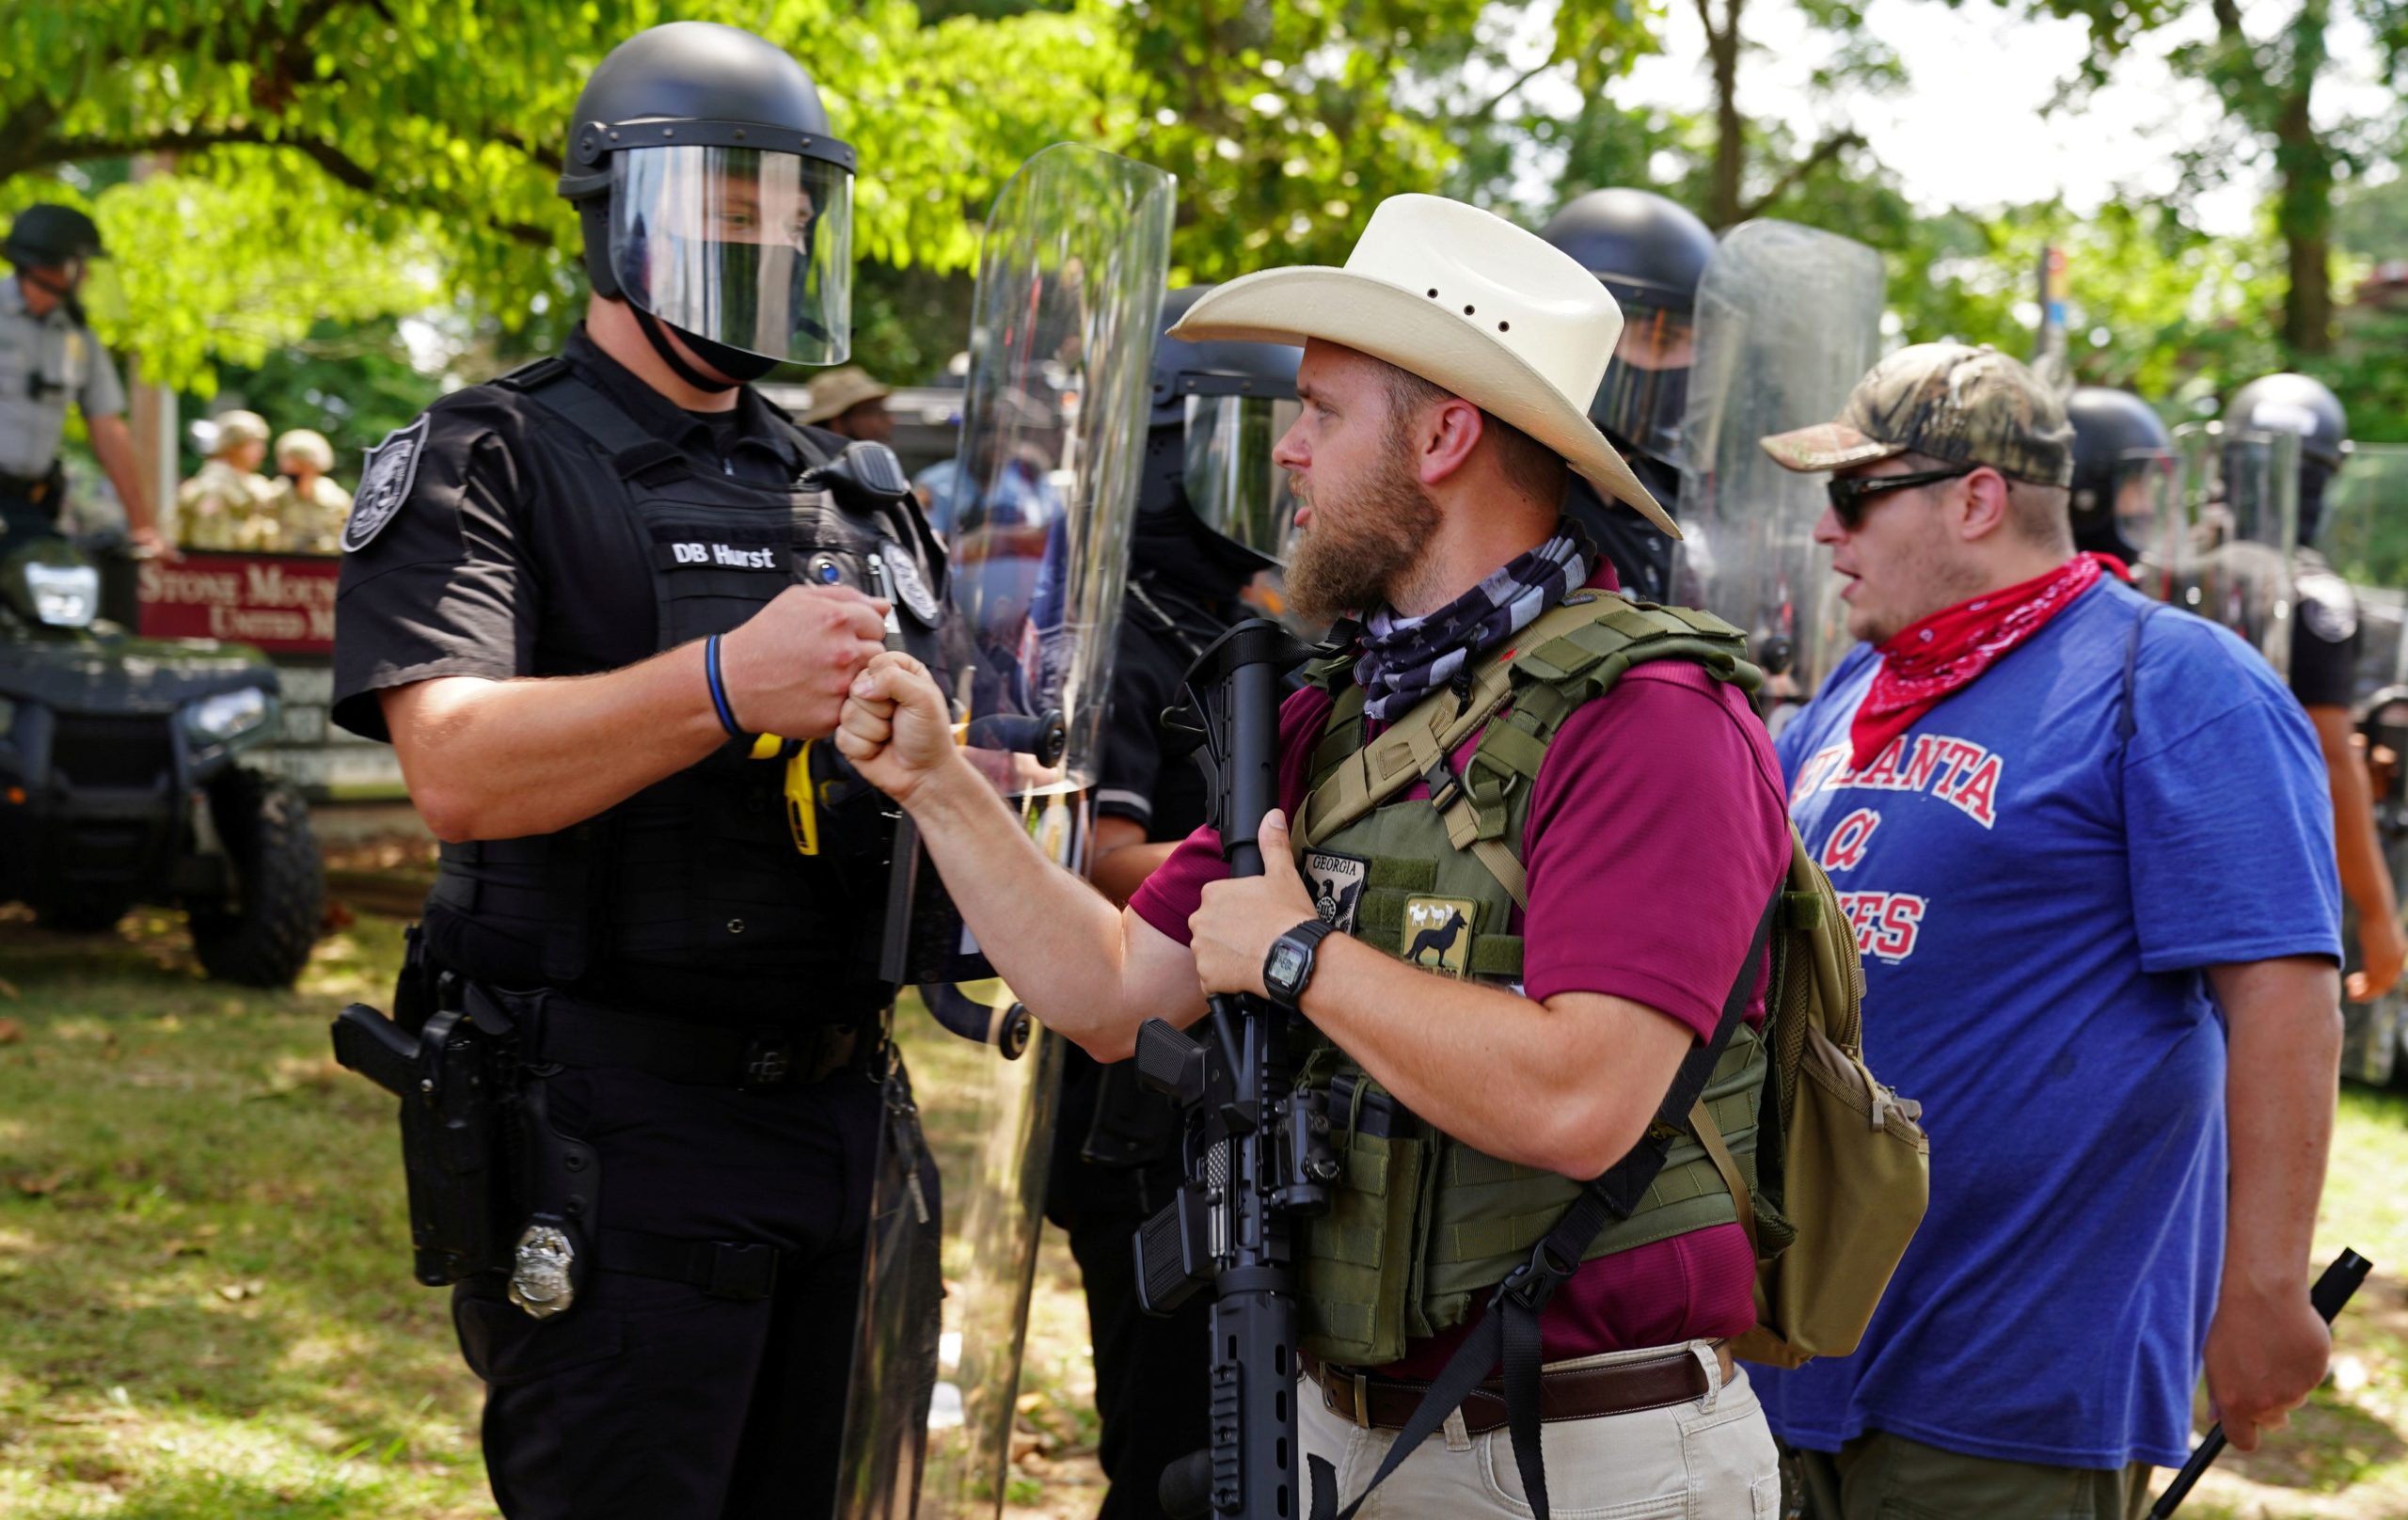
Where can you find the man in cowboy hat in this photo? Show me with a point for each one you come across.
(851, 404)
(1445, 379)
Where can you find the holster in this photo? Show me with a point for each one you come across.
(457, 1077)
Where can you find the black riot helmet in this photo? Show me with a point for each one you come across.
(715, 199)
(1219, 409)
(2296, 403)
(51, 236)
(1650, 254)
(2122, 465)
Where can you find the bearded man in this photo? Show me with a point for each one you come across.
(1525, 1009)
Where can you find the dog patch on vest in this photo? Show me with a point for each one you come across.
(1336, 882)
(384, 483)
(1437, 934)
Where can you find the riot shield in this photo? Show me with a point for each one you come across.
(1038, 505)
(2232, 562)
(1788, 320)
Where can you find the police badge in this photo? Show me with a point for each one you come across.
(541, 1280)
(384, 483)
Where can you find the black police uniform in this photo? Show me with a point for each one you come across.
(2325, 638)
(695, 1000)
(1116, 1147)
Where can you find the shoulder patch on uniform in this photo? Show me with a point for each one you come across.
(2328, 605)
(384, 483)
(903, 575)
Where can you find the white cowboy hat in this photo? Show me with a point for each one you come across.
(1467, 301)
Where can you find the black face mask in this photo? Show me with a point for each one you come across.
(738, 365)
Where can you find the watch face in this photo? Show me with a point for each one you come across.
(1287, 963)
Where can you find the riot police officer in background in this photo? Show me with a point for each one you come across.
(47, 358)
(2324, 659)
(2115, 431)
(1213, 510)
(1650, 253)
(582, 601)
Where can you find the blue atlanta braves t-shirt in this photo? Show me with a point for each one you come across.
(2035, 901)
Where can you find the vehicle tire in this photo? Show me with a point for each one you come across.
(263, 939)
(83, 915)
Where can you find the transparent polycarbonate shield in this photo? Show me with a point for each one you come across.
(1038, 504)
(1233, 485)
(746, 248)
(2364, 531)
(1788, 320)
(2232, 563)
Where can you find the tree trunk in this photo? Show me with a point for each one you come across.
(1730, 128)
(2304, 207)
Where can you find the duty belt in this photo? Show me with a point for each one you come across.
(1385, 1404)
(567, 1031)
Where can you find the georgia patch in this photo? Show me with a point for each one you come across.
(384, 483)
(1337, 883)
(903, 574)
(2328, 607)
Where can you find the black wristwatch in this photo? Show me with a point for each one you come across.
(1288, 970)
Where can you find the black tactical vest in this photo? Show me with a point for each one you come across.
(702, 870)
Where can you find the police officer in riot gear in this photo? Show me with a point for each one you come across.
(1213, 512)
(2324, 658)
(1650, 253)
(2113, 430)
(47, 358)
(597, 606)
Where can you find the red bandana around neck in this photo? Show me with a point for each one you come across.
(1947, 651)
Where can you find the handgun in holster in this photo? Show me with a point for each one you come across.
(452, 1076)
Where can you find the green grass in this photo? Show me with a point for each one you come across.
(206, 1308)
(205, 1300)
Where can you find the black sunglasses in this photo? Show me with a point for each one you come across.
(1849, 493)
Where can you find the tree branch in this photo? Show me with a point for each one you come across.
(1823, 152)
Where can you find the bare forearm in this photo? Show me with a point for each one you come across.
(1051, 935)
(2283, 1066)
(505, 759)
(113, 446)
(2365, 879)
(1568, 1085)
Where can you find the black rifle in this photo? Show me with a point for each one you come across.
(2330, 1294)
(1258, 1152)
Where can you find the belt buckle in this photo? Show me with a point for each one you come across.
(768, 1062)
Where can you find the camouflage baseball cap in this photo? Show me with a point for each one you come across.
(1948, 401)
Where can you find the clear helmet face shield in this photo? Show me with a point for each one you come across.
(738, 246)
(1646, 387)
(1232, 485)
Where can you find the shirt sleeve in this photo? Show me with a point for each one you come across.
(444, 588)
(1657, 832)
(2325, 642)
(1169, 897)
(104, 393)
(2228, 810)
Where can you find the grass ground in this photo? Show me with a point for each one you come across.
(205, 1308)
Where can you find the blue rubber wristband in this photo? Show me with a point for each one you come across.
(719, 690)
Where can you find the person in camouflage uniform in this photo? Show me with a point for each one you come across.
(311, 508)
(229, 504)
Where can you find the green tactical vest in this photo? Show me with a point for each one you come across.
(1422, 1226)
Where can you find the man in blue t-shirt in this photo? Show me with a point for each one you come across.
(2089, 851)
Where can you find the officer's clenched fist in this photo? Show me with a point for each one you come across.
(896, 729)
(788, 667)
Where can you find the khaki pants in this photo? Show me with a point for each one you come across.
(1883, 1477)
(1709, 1459)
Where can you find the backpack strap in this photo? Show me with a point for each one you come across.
(1510, 1330)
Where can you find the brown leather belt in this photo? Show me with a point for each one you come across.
(1573, 1393)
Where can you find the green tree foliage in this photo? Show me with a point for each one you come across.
(325, 151)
